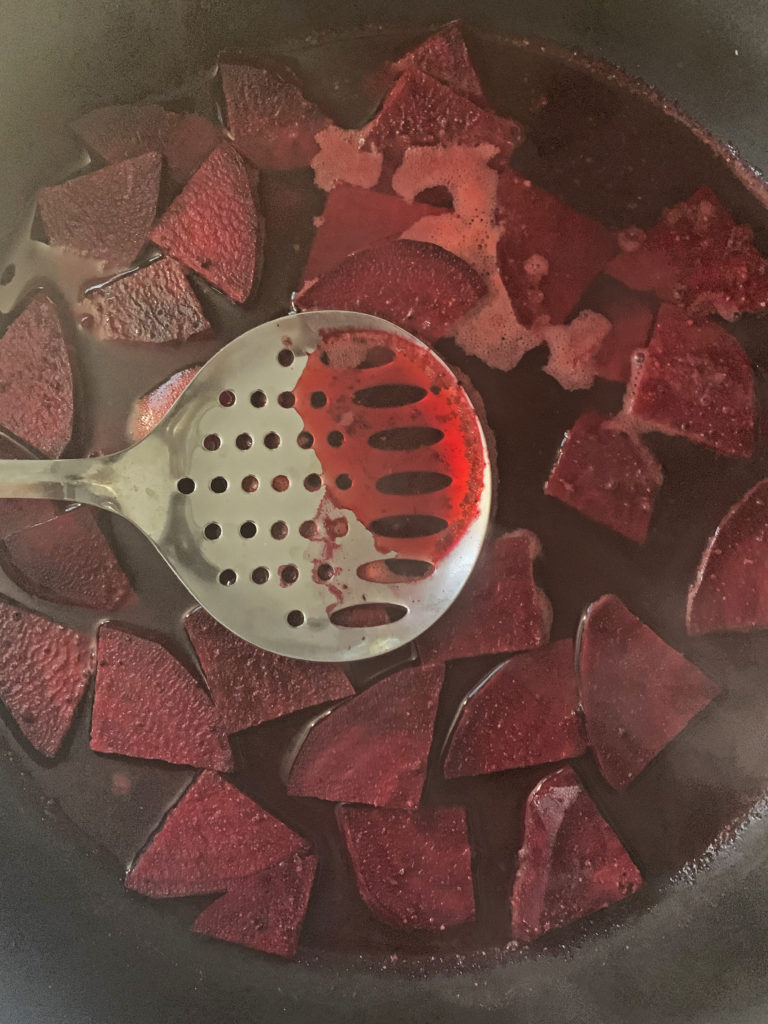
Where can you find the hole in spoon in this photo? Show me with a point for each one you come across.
(360, 616)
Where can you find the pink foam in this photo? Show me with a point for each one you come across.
(339, 159)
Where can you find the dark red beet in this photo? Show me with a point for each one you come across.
(731, 586)
(154, 305)
(213, 837)
(571, 862)
(44, 670)
(416, 285)
(444, 56)
(698, 256)
(524, 713)
(19, 513)
(152, 407)
(500, 610)
(69, 560)
(105, 215)
(119, 132)
(605, 472)
(271, 122)
(192, 140)
(413, 868)
(36, 379)
(637, 693)
(249, 685)
(264, 911)
(147, 705)
(374, 748)
(548, 253)
(632, 315)
(694, 380)
(212, 226)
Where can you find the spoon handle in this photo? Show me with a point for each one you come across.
(77, 480)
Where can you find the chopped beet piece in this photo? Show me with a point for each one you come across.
(340, 160)
(548, 253)
(119, 132)
(413, 868)
(416, 285)
(374, 748)
(147, 705)
(271, 122)
(731, 586)
(696, 255)
(105, 215)
(605, 472)
(500, 610)
(192, 140)
(631, 314)
(574, 349)
(152, 407)
(212, 226)
(444, 56)
(215, 835)
(19, 513)
(154, 305)
(636, 692)
(524, 713)
(44, 670)
(694, 380)
(571, 862)
(264, 911)
(69, 560)
(355, 219)
(36, 379)
(249, 685)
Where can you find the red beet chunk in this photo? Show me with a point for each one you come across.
(147, 705)
(44, 670)
(374, 748)
(68, 560)
(212, 226)
(571, 862)
(444, 56)
(605, 472)
(636, 692)
(250, 686)
(119, 132)
(105, 215)
(36, 379)
(270, 120)
(413, 868)
(694, 380)
(632, 315)
(524, 713)
(154, 305)
(730, 591)
(214, 836)
(501, 609)
(152, 407)
(355, 219)
(264, 911)
(697, 255)
(192, 140)
(548, 253)
(416, 285)
(19, 513)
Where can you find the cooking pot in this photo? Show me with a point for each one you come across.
(74, 947)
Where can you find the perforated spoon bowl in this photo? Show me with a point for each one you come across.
(230, 489)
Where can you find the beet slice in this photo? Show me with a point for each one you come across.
(264, 911)
(730, 591)
(524, 713)
(696, 255)
(105, 215)
(212, 226)
(632, 315)
(548, 252)
(571, 862)
(694, 380)
(444, 56)
(500, 609)
(416, 285)
(374, 748)
(123, 131)
(249, 685)
(637, 693)
(36, 379)
(192, 140)
(270, 120)
(152, 407)
(605, 472)
(68, 560)
(154, 305)
(147, 705)
(215, 835)
(413, 868)
(44, 671)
